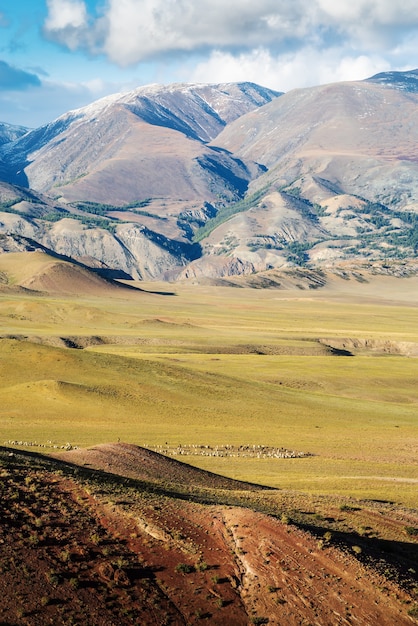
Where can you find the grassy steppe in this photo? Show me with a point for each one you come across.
(213, 366)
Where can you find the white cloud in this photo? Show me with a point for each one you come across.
(376, 12)
(141, 29)
(129, 31)
(287, 71)
(63, 14)
(67, 23)
(277, 43)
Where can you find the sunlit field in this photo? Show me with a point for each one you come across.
(217, 366)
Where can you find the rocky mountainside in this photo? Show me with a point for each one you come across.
(9, 132)
(209, 181)
(120, 183)
(341, 179)
(147, 143)
(405, 81)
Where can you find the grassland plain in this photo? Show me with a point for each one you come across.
(215, 365)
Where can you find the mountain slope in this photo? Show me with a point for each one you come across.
(196, 181)
(10, 132)
(404, 81)
(336, 129)
(136, 166)
(144, 144)
(344, 158)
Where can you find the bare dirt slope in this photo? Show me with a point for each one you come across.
(136, 462)
(81, 546)
(39, 271)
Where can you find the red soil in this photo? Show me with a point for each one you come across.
(81, 547)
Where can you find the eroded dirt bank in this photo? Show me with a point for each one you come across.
(81, 546)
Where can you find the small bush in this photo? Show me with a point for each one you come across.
(65, 556)
(184, 568)
(52, 578)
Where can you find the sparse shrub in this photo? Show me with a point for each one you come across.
(412, 531)
(201, 566)
(184, 568)
(52, 578)
(178, 536)
(120, 562)
(356, 549)
(285, 519)
(34, 539)
(259, 620)
(215, 579)
(65, 556)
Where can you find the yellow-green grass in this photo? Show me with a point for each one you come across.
(211, 314)
(382, 378)
(357, 415)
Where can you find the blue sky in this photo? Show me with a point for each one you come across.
(57, 55)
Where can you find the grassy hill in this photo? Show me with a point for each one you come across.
(223, 366)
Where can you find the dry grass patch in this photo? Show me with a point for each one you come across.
(213, 366)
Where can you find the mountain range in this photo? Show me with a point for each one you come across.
(212, 181)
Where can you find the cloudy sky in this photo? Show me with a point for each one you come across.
(57, 55)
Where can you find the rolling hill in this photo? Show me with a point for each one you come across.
(41, 272)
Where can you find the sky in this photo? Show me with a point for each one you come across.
(59, 55)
